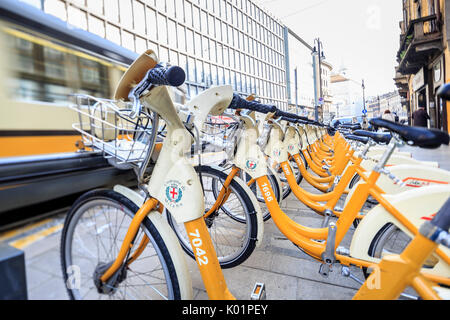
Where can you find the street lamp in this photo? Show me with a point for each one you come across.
(321, 57)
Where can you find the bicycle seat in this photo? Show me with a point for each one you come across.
(378, 137)
(416, 136)
(357, 138)
(351, 126)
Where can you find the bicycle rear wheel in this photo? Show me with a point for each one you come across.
(93, 232)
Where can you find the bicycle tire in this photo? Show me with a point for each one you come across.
(248, 245)
(162, 255)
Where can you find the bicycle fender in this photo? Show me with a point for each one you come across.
(418, 205)
(292, 140)
(275, 147)
(249, 156)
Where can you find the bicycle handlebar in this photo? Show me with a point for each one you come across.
(280, 113)
(240, 103)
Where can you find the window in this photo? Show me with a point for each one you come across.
(198, 44)
(218, 28)
(181, 45)
(211, 25)
(204, 21)
(141, 45)
(54, 7)
(188, 14)
(77, 17)
(207, 72)
(205, 48)
(95, 5)
(96, 26)
(139, 17)
(126, 14)
(191, 69)
(183, 62)
(170, 7)
(180, 10)
(212, 48)
(172, 34)
(196, 17)
(112, 10)
(214, 75)
(189, 41)
(232, 58)
(151, 24)
(128, 40)
(227, 76)
(199, 71)
(221, 75)
(113, 34)
(226, 61)
(161, 5)
(162, 29)
(219, 54)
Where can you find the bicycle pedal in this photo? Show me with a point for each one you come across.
(324, 270)
(258, 292)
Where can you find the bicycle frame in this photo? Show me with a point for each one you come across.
(396, 272)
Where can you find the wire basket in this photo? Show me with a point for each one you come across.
(220, 133)
(105, 125)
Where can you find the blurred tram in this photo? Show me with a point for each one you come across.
(43, 60)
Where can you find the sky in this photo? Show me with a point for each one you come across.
(362, 35)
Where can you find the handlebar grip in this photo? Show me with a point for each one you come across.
(172, 76)
(442, 217)
(240, 103)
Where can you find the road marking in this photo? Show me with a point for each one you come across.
(12, 233)
(26, 241)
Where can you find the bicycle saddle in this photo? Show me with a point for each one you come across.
(416, 136)
(378, 137)
(357, 138)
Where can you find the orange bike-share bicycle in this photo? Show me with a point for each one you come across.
(117, 245)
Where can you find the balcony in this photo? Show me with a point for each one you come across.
(401, 81)
(420, 43)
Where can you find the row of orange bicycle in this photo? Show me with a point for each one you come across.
(133, 244)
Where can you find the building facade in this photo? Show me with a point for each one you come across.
(216, 41)
(326, 69)
(391, 101)
(300, 76)
(423, 58)
(347, 95)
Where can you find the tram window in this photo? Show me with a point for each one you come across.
(50, 72)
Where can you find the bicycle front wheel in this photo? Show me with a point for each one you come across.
(93, 232)
(233, 227)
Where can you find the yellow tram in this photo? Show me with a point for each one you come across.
(43, 60)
